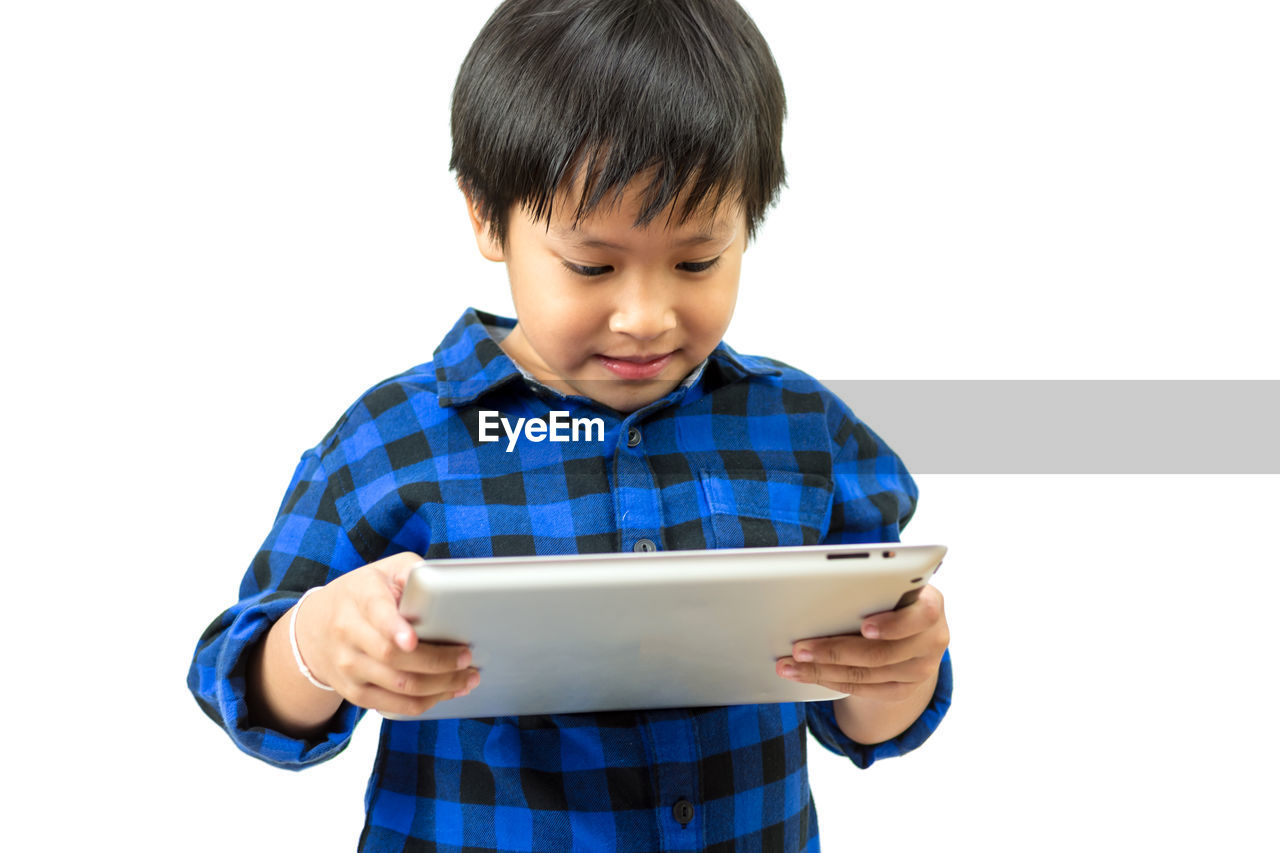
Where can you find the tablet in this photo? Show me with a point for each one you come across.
(664, 629)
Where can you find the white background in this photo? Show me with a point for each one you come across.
(220, 222)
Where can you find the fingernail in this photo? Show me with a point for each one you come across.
(871, 630)
(404, 638)
(464, 659)
(473, 681)
(789, 671)
(803, 655)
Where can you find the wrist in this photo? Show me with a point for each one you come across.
(301, 660)
(278, 696)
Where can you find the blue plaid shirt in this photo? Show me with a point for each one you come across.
(746, 452)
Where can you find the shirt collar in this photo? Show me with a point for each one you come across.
(469, 362)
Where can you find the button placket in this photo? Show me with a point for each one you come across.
(672, 740)
(637, 498)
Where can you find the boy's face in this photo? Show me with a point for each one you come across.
(615, 313)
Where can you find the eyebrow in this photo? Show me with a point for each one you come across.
(585, 241)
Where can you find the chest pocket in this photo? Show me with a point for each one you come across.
(751, 509)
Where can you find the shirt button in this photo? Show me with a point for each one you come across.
(644, 545)
(682, 811)
(633, 437)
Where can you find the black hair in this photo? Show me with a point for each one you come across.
(605, 90)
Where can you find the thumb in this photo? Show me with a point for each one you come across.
(395, 570)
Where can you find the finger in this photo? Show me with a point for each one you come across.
(889, 691)
(915, 618)
(425, 658)
(433, 658)
(840, 677)
(379, 699)
(852, 650)
(369, 672)
(367, 657)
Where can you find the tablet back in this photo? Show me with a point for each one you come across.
(668, 629)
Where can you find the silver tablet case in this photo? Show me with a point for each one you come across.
(668, 629)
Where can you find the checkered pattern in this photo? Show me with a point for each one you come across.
(749, 452)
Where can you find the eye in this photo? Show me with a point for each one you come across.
(592, 272)
(588, 272)
(700, 266)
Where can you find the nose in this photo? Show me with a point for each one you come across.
(643, 310)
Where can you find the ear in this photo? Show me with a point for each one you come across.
(489, 247)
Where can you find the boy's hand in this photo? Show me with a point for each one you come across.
(352, 637)
(897, 651)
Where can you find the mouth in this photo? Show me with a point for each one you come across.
(636, 367)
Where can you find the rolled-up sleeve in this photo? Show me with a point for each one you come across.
(307, 547)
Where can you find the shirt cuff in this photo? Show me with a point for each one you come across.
(821, 717)
(228, 693)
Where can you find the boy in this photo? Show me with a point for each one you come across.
(617, 156)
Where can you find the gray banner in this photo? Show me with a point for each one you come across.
(1073, 426)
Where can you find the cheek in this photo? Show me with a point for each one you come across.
(545, 301)
(709, 313)
(573, 313)
(565, 325)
